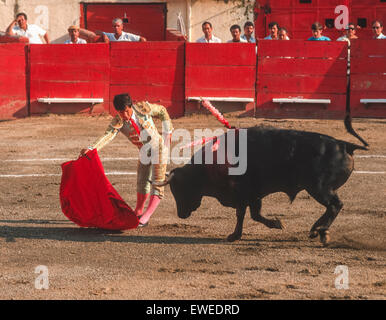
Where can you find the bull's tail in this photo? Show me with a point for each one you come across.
(351, 147)
(349, 128)
(347, 119)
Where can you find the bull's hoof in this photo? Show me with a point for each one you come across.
(276, 224)
(233, 237)
(324, 237)
(313, 234)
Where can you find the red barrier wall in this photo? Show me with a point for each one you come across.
(152, 71)
(167, 73)
(69, 71)
(13, 86)
(174, 35)
(368, 77)
(145, 19)
(303, 69)
(220, 70)
(367, 11)
(297, 17)
(13, 39)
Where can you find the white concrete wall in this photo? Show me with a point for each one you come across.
(55, 16)
(221, 14)
(51, 15)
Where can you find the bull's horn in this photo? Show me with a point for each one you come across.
(163, 183)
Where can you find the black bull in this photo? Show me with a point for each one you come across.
(278, 160)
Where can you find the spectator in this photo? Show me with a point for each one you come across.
(317, 30)
(349, 33)
(236, 34)
(208, 37)
(274, 29)
(248, 30)
(119, 34)
(377, 29)
(283, 34)
(23, 29)
(73, 31)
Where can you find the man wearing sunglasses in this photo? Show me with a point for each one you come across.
(377, 29)
(350, 33)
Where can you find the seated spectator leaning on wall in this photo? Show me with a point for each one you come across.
(248, 31)
(208, 37)
(349, 33)
(317, 30)
(283, 34)
(236, 34)
(73, 31)
(273, 29)
(119, 34)
(377, 29)
(20, 27)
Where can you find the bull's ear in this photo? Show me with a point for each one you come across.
(168, 174)
(165, 182)
(176, 172)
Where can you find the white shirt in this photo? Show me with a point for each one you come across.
(135, 119)
(241, 41)
(125, 36)
(33, 33)
(211, 40)
(343, 38)
(252, 39)
(79, 41)
(381, 36)
(270, 38)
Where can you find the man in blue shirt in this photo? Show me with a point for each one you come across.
(248, 31)
(274, 29)
(317, 30)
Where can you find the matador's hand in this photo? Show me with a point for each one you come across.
(83, 152)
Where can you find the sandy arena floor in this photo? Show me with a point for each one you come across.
(182, 259)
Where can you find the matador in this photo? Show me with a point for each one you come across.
(135, 121)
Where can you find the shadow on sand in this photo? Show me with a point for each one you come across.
(12, 233)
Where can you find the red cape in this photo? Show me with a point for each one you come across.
(88, 198)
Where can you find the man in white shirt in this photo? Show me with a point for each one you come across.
(377, 29)
(349, 33)
(119, 34)
(73, 31)
(20, 27)
(208, 37)
(236, 34)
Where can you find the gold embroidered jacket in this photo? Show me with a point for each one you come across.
(144, 112)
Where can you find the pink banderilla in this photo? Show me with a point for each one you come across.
(219, 117)
(202, 141)
(215, 112)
